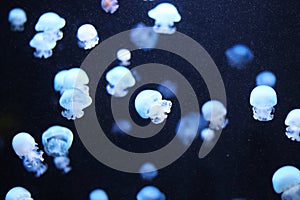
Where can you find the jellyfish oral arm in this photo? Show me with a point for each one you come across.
(39, 53)
(293, 133)
(33, 162)
(263, 113)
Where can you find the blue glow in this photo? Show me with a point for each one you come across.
(285, 177)
(239, 56)
(148, 171)
(266, 78)
(17, 18)
(150, 193)
(98, 194)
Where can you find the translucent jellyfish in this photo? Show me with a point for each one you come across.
(150, 193)
(168, 88)
(25, 147)
(57, 141)
(98, 194)
(286, 180)
(164, 14)
(110, 6)
(124, 56)
(18, 193)
(239, 56)
(263, 99)
(43, 47)
(207, 134)
(87, 36)
(148, 171)
(149, 104)
(74, 101)
(143, 37)
(51, 23)
(119, 80)
(215, 112)
(293, 122)
(59, 81)
(266, 78)
(121, 126)
(17, 18)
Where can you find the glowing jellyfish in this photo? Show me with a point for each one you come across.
(119, 80)
(168, 88)
(207, 134)
(124, 56)
(50, 24)
(98, 194)
(263, 99)
(150, 193)
(87, 36)
(143, 37)
(239, 56)
(121, 126)
(110, 6)
(17, 18)
(57, 141)
(74, 101)
(18, 193)
(286, 180)
(25, 147)
(164, 14)
(149, 104)
(148, 171)
(293, 122)
(215, 112)
(266, 78)
(43, 48)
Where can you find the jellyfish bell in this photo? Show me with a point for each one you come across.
(42, 46)
(87, 36)
(18, 193)
(207, 134)
(110, 6)
(17, 18)
(215, 112)
(148, 171)
(150, 193)
(124, 56)
(266, 78)
(143, 37)
(59, 80)
(293, 122)
(98, 194)
(23, 143)
(76, 78)
(239, 56)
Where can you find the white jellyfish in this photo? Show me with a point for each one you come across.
(215, 112)
(168, 88)
(110, 6)
(119, 80)
(263, 99)
(164, 14)
(124, 56)
(293, 122)
(25, 147)
(43, 47)
(148, 171)
(286, 180)
(57, 141)
(239, 56)
(18, 193)
(149, 104)
(143, 37)
(266, 78)
(150, 193)
(98, 194)
(207, 134)
(87, 36)
(17, 18)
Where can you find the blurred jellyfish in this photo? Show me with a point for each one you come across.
(215, 112)
(263, 99)
(143, 37)
(87, 36)
(239, 56)
(43, 48)
(207, 134)
(57, 141)
(119, 80)
(164, 14)
(150, 193)
(149, 104)
(110, 6)
(286, 180)
(25, 147)
(293, 122)
(18, 193)
(148, 171)
(17, 18)
(168, 89)
(266, 78)
(121, 126)
(98, 194)
(124, 56)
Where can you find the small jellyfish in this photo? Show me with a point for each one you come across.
(17, 18)
(43, 48)
(215, 112)
(293, 122)
(25, 147)
(57, 141)
(164, 14)
(207, 134)
(143, 37)
(119, 80)
(286, 180)
(266, 78)
(124, 56)
(168, 88)
(18, 193)
(239, 56)
(98, 194)
(148, 171)
(121, 126)
(149, 104)
(263, 99)
(150, 193)
(110, 6)
(87, 36)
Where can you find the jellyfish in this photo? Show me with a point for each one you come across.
(286, 180)
(207, 134)
(43, 48)
(150, 193)
(98, 194)
(57, 141)
(110, 6)
(266, 78)
(74, 101)
(143, 37)
(149, 104)
(25, 147)
(148, 171)
(124, 56)
(263, 99)
(17, 18)
(121, 125)
(18, 193)
(168, 88)
(239, 56)
(215, 112)
(119, 80)
(87, 36)
(50, 24)
(293, 122)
